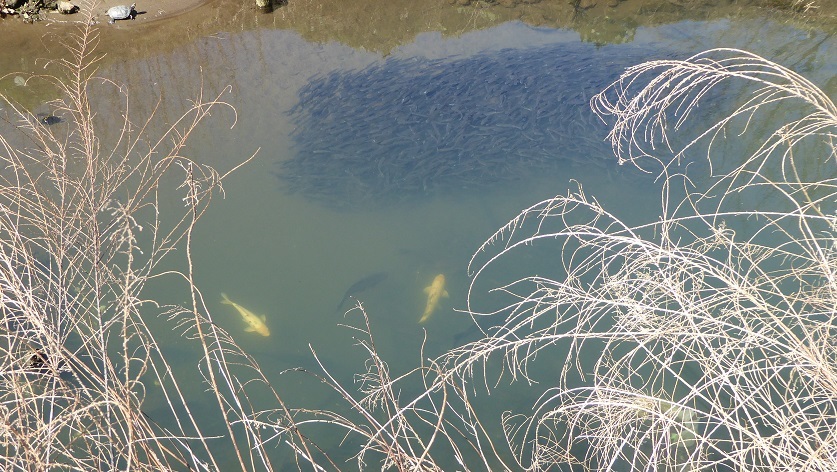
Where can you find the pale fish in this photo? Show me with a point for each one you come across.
(434, 292)
(255, 324)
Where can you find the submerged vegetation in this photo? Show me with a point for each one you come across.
(704, 340)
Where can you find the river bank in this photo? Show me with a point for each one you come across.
(164, 25)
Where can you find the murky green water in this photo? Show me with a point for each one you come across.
(291, 256)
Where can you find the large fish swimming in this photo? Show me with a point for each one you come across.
(363, 284)
(434, 291)
(255, 324)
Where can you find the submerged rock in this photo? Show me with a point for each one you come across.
(47, 119)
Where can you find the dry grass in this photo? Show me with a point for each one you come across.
(701, 341)
(82, 232)
(705, 340)
(384, 427)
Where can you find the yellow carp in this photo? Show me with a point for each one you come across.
(434, 292)
(255, 324)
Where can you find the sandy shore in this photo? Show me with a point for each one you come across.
(149, 10)
(166, 25)
(154, 10)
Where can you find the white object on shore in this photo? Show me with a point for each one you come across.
(121, 12)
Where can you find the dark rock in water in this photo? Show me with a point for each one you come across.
(406, 127)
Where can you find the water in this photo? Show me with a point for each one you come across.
(291, 256)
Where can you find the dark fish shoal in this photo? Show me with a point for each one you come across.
(418, 126)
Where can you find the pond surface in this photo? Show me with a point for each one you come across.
(383, 172)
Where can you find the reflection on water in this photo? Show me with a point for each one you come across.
(292, 259)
